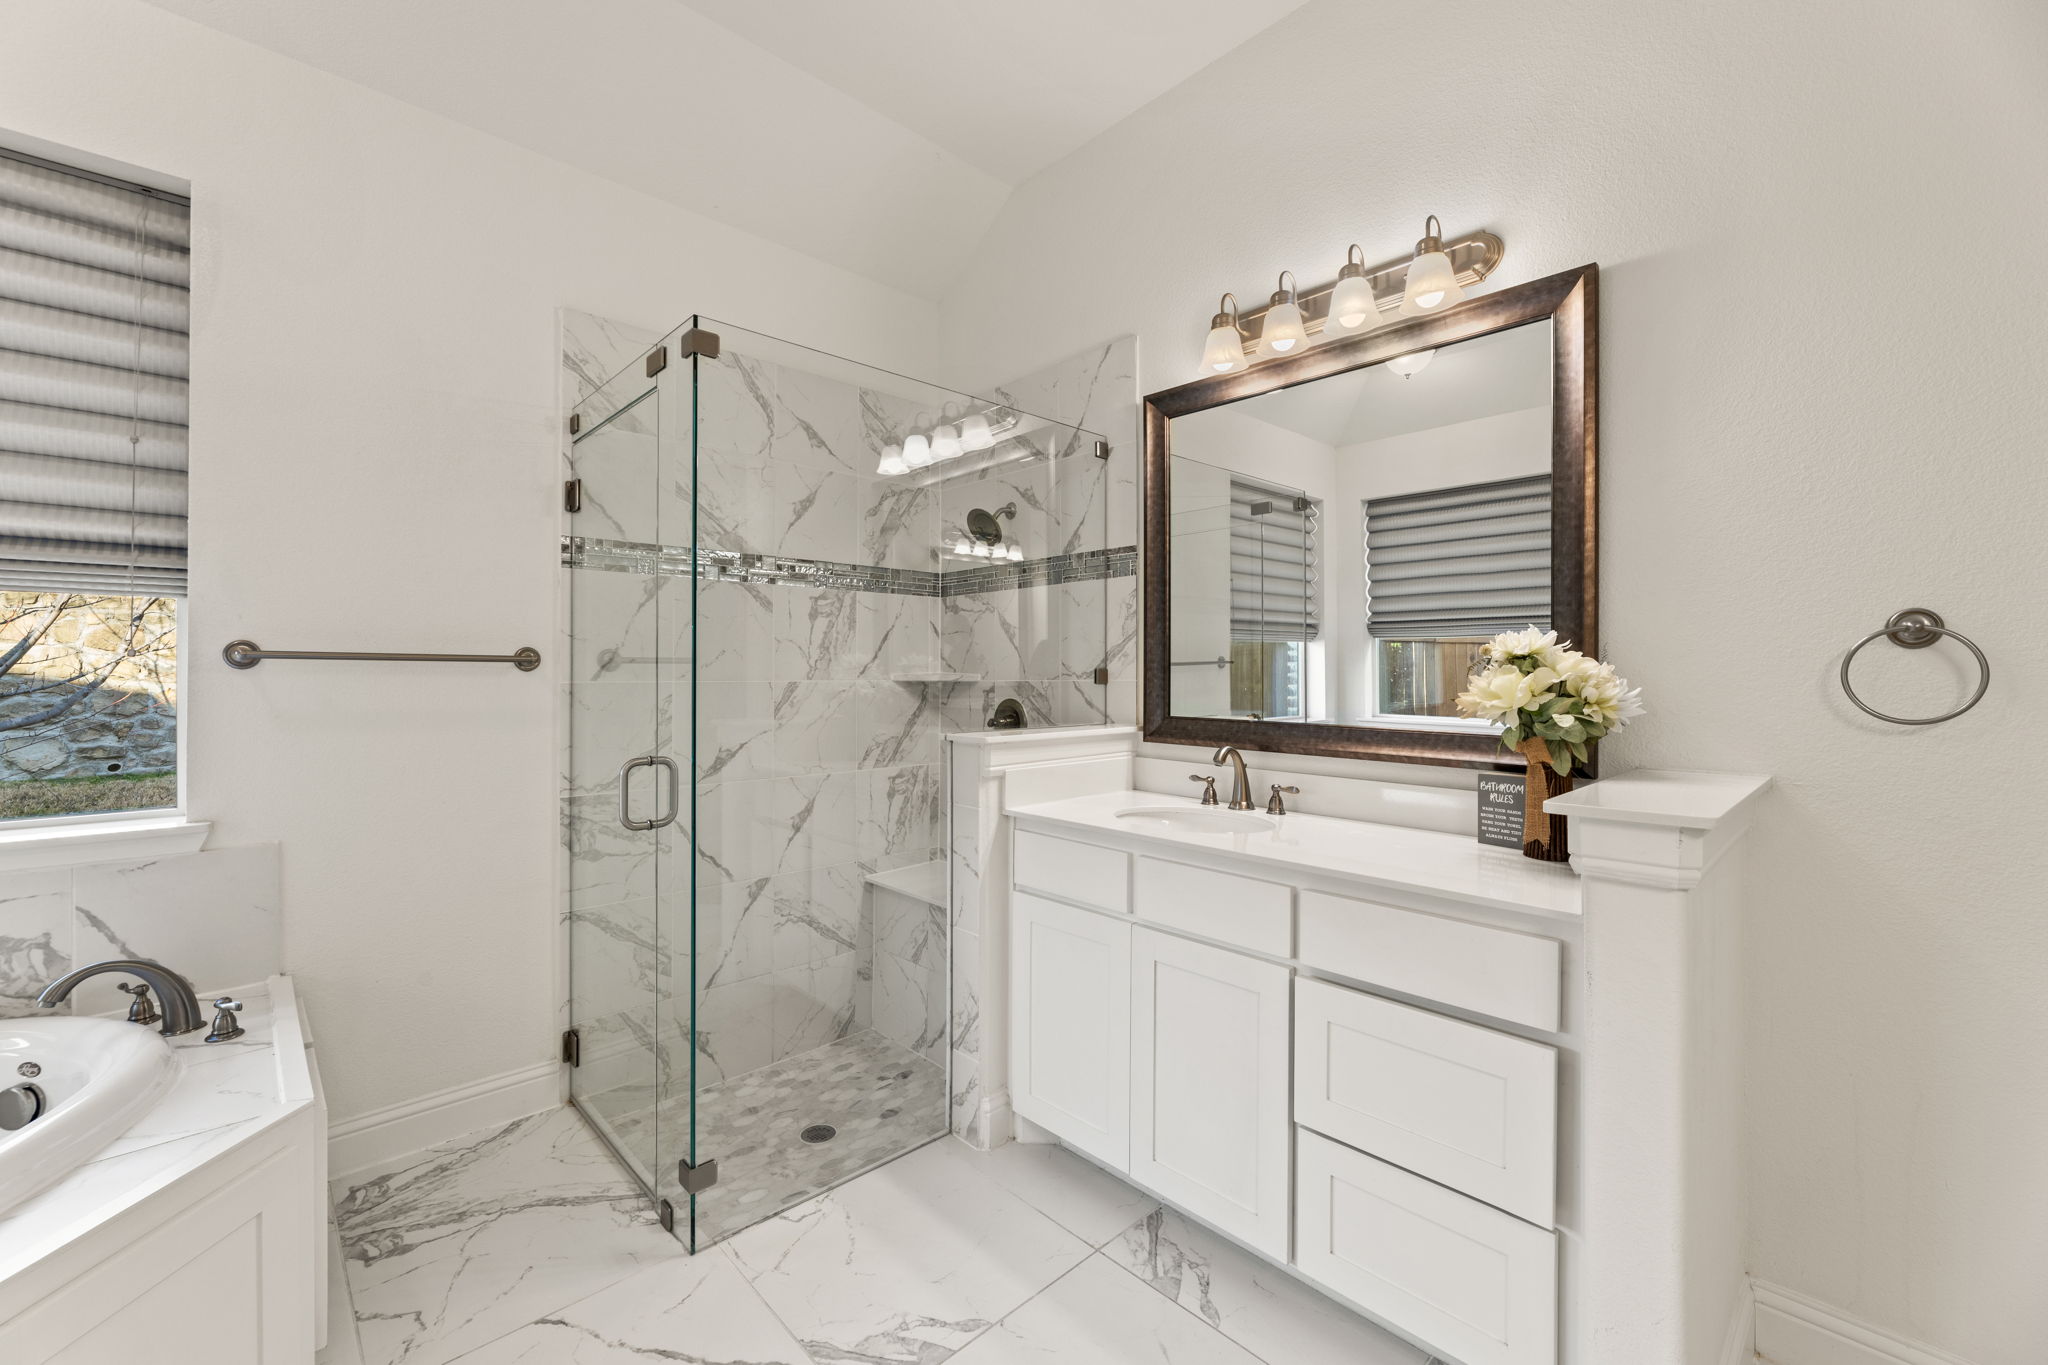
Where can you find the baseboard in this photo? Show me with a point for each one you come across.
(1792, 1329)
(1738, 1347)
(382, 1134)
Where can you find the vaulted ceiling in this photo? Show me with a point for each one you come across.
(880, 135)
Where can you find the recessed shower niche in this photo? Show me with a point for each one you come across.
(773, 625)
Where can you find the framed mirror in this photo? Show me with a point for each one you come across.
(1330, 537)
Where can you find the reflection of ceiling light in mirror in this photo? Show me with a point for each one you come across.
(1283, 330)
(974, 433)
(963, 546)
(892, 462)
(1410, 365)
(917, 451)
(946, 444)
(1432, 284)
(1353, 305)
(1225, 351)
(1016, 553)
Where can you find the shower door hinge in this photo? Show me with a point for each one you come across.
(572, 1047)
(572, 495)
(575, 422)
(698, 1178)
(667, 1214)
(1101, 676)
(1102, 450)
(697, 341)
(657, 361)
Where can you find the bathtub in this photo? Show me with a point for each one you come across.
(168, 1199)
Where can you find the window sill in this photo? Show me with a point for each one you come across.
(100, 841)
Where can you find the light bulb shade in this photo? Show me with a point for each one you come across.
(974, 433)
(891, 461)
(1412, 364)
(963, 546)
(946, 444)
(1225, 351)
(917, 451)
(1353, 306)
(1283, 331)
(1432, 284)
(1016, 552)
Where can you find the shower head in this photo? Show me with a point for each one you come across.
(983, 526)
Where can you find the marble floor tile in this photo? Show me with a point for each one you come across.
(1098, 1315)
(1271, 1314)
(1078, 1195)
(696, 1310)
(457, 1245)
(908, 1263)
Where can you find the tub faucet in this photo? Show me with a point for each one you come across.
(180, 1006)
(1240, 785)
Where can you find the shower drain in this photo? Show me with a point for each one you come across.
(819, 1132)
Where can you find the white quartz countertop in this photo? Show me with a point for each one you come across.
(1450, 865)
(224, 1094)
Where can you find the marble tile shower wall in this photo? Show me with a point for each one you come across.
(212, 916)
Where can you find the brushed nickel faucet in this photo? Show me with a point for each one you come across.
(180, 1006)
(1240, 784)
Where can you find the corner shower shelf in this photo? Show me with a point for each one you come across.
(921, 881)
(934, 677)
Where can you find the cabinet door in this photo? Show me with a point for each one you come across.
(1070, 1032)
(1209, 1120)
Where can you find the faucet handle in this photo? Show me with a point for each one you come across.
(1208, 792)
(1275, 806)
(225, 1025)
(142, 1009)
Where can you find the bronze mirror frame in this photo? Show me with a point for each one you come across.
(1569, 301)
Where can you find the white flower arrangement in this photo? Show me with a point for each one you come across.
(1539, 689)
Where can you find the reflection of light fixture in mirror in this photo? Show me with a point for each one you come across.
(1016, 553)
(892, 462)
(1283, 331)
(974, 432)
(1432, 284)
(1353, 304)
(917, 451)
(1410, 365)
(946, 444)
(1225, 351)
(963, 546)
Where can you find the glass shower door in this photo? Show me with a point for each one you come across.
(616, 788)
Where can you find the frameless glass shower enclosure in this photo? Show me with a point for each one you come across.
(790, 575)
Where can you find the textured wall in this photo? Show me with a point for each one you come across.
(1807, 422)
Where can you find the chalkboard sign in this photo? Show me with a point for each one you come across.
(1500, 809)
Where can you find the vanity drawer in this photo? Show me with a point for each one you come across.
(1081, 873)
(1470, 1280)
(1220, 905)
(1512, 976)
(1466, 1106)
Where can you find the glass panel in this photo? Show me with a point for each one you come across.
(840, 629)
(615, 951)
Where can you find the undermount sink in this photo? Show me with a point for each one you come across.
(68, 1087)
(1197, 820)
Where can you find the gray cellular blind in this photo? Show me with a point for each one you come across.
(94, 307)
(1272, 563)
(1459, 561)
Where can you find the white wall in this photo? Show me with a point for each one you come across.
(374, 466)
(1802, 430)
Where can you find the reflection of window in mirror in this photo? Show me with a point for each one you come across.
(1340, 549)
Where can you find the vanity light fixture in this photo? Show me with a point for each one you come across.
(1411, 364)
(1225, 351)
(1354, 306)
(892, 462)
(946, 444)
(917, 451)
(1432, 283)
(1284, 330)
(975, 433)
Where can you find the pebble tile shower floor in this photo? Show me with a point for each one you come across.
(528, 1245)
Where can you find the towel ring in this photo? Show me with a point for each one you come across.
(1917, 628)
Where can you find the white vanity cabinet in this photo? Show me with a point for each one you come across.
(1210, 1126)
(1214, 1030)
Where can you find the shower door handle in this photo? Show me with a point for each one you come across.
(625, 792)
(675, 790)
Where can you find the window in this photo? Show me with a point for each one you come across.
(1445, 571)
(1272, 597)
(94, 278)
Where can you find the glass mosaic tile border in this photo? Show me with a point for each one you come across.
(668, 561)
